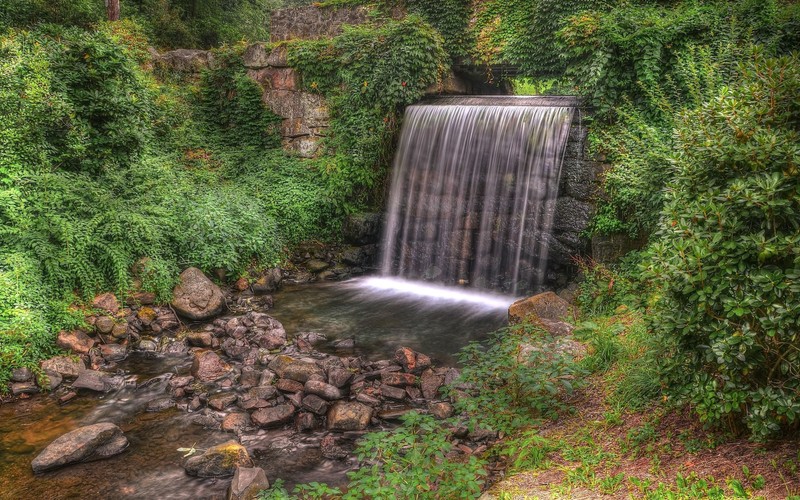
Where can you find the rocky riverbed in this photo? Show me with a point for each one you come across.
(236, 390)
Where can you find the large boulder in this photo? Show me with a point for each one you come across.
(84, 444)
(544, 306)
(349, 416)
(219, 461)
(247, 483)
(196, 297)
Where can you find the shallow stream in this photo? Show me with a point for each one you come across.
(374, 313)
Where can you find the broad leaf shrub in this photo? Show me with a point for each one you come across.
(102, 165)
(514, 379)
(728, 253)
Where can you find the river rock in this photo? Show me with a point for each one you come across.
(547, 306)
(398, 379)
(315, 404)
(160, 404)
(27, 387)
(76, 341)
(94, 381)
(113, 352)
(199, 339)
(21, 374)
(84, 444)
(391, 392)
(222, 401)
(316, 266)
(300, 371)
(430, 383)
(104, 324)
(247, 483)
(120, 330)
(339, 377)
(208, 366)
(271, 417)
(196, 296)
(269, 282)
(236, 422)
(412, 361)
(441, 410)
(219, 461)
(349, 416)
(65, 366)
(288, 385)
(107, 302)
(323, 390)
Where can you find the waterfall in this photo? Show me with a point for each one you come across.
(473, 193)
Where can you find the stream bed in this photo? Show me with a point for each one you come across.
(377, 316)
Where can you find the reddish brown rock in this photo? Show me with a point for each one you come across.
(107, 302)
(271, 417)
(430, 383)
(398, 379)
(547, 306)
(76, 341)
(196, 296)
(323, 390)
(67, 367)
(84, 444)
(349, 416)
(207, 366)
(236, 422)
(287, 385)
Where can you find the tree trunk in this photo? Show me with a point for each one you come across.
(112, 6)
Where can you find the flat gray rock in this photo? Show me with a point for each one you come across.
(84, 444)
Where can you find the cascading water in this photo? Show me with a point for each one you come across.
(473, 193)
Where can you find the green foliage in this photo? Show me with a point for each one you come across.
(604, 288)
(514, 379)
(451, 19)
(727, 252)
(167, 23)
(230, 106)
(523, 33)
(368, 74)
(408, 462)
(102, 166)
(412, 462)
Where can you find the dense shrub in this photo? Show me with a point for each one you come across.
(168, 23)
(102, 165)
(728, 252)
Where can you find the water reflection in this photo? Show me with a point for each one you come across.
(384, 314)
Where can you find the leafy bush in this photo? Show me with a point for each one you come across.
(514, 379)
(408, 462)
(728, 252)
(101, 166)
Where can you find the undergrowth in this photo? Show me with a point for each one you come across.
(102, 165)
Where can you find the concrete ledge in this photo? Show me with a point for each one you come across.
(505, 100)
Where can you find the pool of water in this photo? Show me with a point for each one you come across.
(384, 314)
